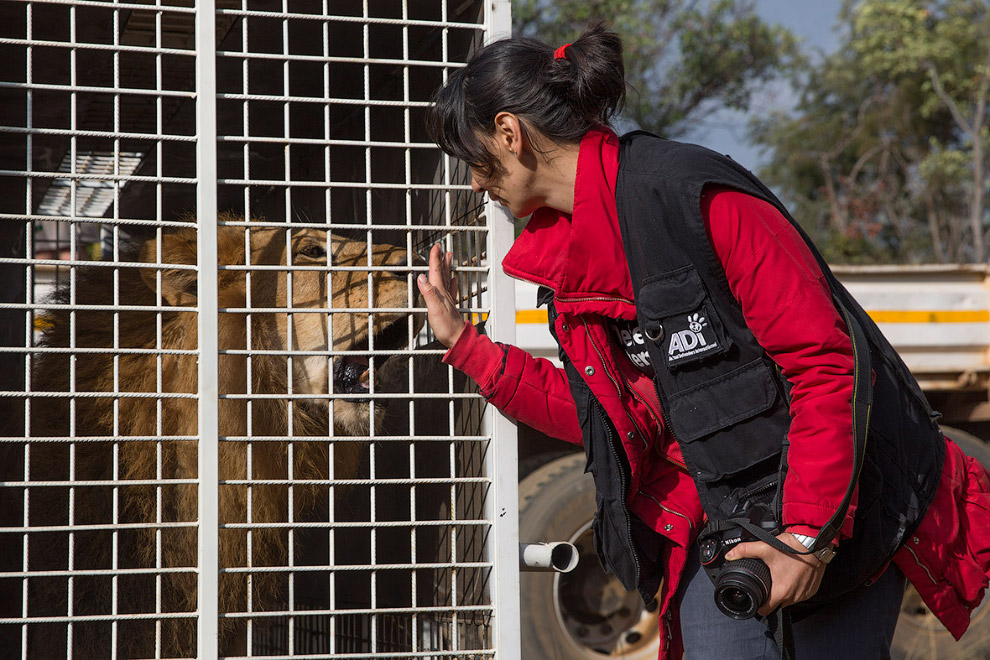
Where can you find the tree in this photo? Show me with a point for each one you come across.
(684, 58)
(950, 43)
(885, 154)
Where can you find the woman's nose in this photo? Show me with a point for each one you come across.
(475, 186)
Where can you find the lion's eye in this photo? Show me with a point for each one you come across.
(313, 251)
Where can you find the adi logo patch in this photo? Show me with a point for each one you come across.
(690, 336)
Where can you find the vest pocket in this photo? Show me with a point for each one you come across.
(723, 401)
(700, 412)
(678, 317)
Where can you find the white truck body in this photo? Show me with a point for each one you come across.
(937, 317)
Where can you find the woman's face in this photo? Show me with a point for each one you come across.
(513, 187)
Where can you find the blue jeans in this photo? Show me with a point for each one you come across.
(859, 625)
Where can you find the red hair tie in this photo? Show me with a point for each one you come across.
(561, 53)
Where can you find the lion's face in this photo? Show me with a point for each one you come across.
(339, 310)
(367, 302)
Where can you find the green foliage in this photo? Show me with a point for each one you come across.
(898, 38)
(684, 59)
(943, 166)
(880, 157)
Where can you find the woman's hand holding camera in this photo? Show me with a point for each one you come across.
(795, 577)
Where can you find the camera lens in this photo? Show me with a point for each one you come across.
(742, 587)
(737, 599)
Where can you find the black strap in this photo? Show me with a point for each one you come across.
(862, 402)
(779, 624)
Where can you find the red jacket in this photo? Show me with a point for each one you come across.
(772, 274)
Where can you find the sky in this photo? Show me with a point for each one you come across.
(813, 21)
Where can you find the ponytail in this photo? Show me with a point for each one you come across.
(591, 71)
(561, 93)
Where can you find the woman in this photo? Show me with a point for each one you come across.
(718, 376)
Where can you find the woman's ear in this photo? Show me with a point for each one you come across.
(508, 133)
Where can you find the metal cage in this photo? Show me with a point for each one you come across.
(225, 429)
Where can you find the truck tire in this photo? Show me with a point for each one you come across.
(587, 614)
(919, 635)
(584, 614)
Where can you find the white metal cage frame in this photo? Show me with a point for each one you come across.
(224, 429)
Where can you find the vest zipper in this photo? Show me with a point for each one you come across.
(577, 298)
(601, 357)
(623, 486)
(634, 393)
(656, 416)
(667, 616)
(665, 422)
(594, 299)
(758, 491)
(669, 510)
(923, 567)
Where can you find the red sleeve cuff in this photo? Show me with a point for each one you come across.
(808, 531)
(814, 512)
(477, 356)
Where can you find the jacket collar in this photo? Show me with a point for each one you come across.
(580, 256)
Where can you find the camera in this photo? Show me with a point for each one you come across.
(741, 586)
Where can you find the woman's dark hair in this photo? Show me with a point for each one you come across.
(562, 98)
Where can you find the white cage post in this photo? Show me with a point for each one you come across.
(503, 463)
(207, 639)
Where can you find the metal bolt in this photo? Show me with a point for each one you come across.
(590, 370)
(915, 540)
(668, 527)
(630, 435)
(564, 327)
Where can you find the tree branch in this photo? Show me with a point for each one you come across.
(864, 159)
(948, 100)
(860, 123)
(839, 216)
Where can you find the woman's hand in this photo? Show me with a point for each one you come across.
(440, 293)
(795, 577)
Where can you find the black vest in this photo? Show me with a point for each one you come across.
(723, 398)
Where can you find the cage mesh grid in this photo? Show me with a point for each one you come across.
(355, 512)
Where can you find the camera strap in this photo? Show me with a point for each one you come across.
(779, 624)
(862, 400)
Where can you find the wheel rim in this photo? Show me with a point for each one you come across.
(596, 611)
(926, 635)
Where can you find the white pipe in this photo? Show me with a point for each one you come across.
(557, 556)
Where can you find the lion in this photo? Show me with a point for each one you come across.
(133, 498)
